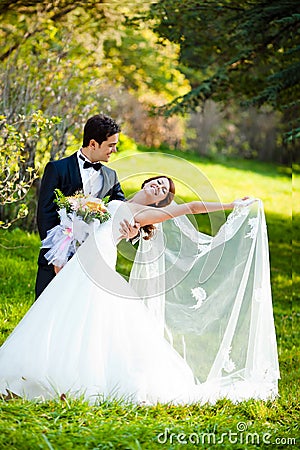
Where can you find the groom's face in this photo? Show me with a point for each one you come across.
(102, 152)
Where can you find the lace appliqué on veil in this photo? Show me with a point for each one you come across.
(233, 216)
(228, 364)
(188, 230)
(253, 222)
(200, 295)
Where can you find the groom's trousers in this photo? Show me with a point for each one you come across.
(45, 275)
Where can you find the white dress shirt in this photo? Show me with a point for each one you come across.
(92, 180)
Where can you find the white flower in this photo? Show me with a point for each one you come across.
(75, 203)
(200, 295)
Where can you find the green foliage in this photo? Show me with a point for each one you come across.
(153, 72)
(60, 57)
(16, 176)
(126, 143)
(238, 49)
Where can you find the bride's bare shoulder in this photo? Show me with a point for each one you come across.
(135, 207)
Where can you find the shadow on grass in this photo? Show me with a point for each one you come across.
(267, 169)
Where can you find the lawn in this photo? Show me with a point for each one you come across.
(253, 424)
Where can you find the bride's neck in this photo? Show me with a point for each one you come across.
(140, 197)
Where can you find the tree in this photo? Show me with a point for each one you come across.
(246, 50)
(16, 177)
(75, 59)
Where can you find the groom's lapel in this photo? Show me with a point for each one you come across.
(107, 183)
(74, 172)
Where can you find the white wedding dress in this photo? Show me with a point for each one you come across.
(89, 335)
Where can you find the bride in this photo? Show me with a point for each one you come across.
(194, 323)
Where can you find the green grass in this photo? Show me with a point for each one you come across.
(74, 424)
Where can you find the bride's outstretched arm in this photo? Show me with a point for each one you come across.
(146, 215)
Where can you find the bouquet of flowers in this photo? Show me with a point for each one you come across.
(78, 215)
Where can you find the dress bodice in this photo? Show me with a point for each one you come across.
(107, 234)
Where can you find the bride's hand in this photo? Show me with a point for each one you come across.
(245, 201)
(129, 231)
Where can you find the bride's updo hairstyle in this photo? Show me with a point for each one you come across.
(149, 229)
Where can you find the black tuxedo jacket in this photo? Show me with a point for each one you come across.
(64, 174)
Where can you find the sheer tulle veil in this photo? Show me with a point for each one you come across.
(212, 299)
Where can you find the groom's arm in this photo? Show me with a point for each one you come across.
(116, 192)
(47, 216)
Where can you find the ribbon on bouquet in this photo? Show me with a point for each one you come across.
(64, 239)
(69, 236)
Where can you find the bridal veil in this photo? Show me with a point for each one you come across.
(212, 299)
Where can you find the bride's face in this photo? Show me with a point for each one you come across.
(157, 190)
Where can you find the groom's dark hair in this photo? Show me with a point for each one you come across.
(99, 128)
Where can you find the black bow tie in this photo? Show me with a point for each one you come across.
(87, 164)
(95, 166)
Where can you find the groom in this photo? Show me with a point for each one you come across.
(80, 171)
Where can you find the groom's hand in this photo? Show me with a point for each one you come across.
(57, 269)
(129, 231)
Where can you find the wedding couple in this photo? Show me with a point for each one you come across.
(194, 323)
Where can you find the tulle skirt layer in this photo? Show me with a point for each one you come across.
(89, 343)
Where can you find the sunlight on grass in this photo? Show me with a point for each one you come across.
(296, 193)
(208, 180)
